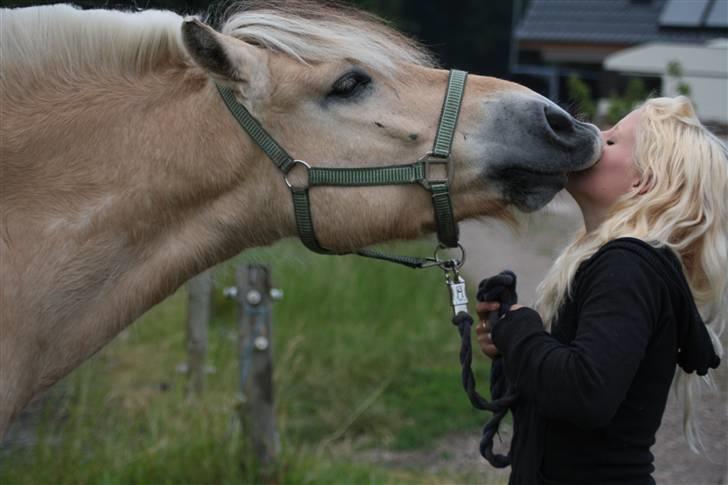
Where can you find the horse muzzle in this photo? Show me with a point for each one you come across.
(530, 145)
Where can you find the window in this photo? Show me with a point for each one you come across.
(683, 13)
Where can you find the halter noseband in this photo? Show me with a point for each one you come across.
(418, 172)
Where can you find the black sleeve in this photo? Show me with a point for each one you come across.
(585, 381)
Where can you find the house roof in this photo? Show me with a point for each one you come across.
(611, 22)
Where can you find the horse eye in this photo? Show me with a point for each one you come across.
(350, 84)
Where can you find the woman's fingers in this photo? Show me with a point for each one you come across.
(485, 307)
(491, 351)
(485, 341)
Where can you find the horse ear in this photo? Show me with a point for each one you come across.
(223, 57)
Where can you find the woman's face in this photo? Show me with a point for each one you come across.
(615, 174)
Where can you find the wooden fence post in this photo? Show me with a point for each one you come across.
(199, 302)
(257, 410)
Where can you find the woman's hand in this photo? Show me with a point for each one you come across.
(483, 329)
(485, 309)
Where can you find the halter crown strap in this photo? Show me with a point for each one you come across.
(450, 113)
(417, 172)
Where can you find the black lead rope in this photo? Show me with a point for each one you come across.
(500, 288)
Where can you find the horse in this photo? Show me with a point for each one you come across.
(124, 174)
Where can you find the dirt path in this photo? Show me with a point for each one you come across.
(455, 455)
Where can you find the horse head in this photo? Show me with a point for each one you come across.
(356, 94)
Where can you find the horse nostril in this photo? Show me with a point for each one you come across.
(558, 120)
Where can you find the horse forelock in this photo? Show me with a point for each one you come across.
(313, 32)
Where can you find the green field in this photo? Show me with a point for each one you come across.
(365, 356)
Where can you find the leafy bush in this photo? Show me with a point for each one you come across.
(620, 106)
(674, 70)
(580, 94)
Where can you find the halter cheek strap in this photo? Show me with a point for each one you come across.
(418, 172)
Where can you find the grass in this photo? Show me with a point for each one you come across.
(364, 354)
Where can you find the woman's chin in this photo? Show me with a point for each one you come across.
(573, 185)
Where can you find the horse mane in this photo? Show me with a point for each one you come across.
(313, 32)
(73, 41)
(63, 40)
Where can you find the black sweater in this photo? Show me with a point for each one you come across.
(594, 390)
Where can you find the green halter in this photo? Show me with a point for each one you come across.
(418, 172)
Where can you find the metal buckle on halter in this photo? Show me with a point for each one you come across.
(293, 166)
(432, 159)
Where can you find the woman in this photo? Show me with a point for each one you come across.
(621, 303)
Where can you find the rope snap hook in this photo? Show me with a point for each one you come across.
(455, 283)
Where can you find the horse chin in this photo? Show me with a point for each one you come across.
(535, 200)
(530, 191)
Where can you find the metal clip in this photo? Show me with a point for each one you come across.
(458, 293)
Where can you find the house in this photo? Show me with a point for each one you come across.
(556, 38)
(704, 70)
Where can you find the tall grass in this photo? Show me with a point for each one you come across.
(364, 355)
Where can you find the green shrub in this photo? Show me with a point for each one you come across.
(580, 94)
(620, 106)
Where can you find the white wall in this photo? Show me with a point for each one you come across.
(710, 95)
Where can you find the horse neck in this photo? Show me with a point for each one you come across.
(137, 188)
(214, 194)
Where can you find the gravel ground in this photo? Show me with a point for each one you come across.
(455, 455)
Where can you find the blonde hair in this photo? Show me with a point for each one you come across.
(681, 203)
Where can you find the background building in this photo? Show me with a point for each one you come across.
(556, 38)
(703, 69)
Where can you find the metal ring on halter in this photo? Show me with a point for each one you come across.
(298, 162)
(450, 264)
